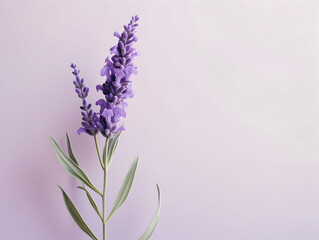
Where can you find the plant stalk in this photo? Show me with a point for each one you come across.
(104, 189)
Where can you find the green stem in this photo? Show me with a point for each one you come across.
(98, 151)
(104, 190)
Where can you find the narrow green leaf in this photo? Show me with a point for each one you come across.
(71, 155)
(153, 224)
(91, 201)
(76, 215)
(125, 188)
(98, 151)
(72, 168)
(111, 148)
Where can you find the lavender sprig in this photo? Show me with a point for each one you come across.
(116, 89)
(88, 116)
(117, 86)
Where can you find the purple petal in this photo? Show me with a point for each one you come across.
(107, 114)
(81, 130)
(118, 112)
(121, 128)
(129, 92)
(100, 126)
(119, 74)
(124, 35)
(114, 50)
(103, 71)
(107, 133)
(85, 116)
(129, 70)
(102, 103)
(99, 87)
(78, 91)
(116, 34)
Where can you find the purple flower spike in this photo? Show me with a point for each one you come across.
(88, 116)
(117, 86)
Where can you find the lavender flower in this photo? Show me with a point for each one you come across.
(88, 116)
(117, 86)
(116, 89)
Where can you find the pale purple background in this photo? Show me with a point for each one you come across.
(225, 118)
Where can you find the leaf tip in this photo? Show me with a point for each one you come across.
(51, 139)
(159, 192)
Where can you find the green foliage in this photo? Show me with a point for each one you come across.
(125, 188)
(91, 201)
(153, 224)
(71, 155)
(71, 167)
(111, 147)
(76, 215)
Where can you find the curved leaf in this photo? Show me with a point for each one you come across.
(125, 188)
(72, 168)
(91, 201)
(98, 151)
(71, 155)
(111, 147)
(153, 224)
(76, 216)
